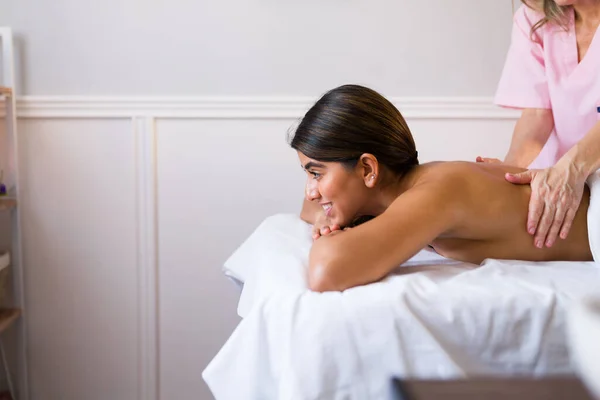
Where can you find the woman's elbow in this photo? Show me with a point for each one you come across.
(320, 279)
(323, 268)
(326, 263)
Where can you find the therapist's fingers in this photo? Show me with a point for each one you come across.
(521, 178)
(487, 160)
(572, 202)
(566, 227)
(536, 208)
(544, 224)
(559, 218)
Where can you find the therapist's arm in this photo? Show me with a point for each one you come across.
(531, 133)
(585, 155)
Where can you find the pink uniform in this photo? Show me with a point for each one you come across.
(545, 73)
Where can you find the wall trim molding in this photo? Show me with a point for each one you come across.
(147, 257)
(266, 107)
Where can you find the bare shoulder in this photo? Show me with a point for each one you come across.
(443, 176)
(459, 174)
(458, 192)
(448, 189)
(438, 192)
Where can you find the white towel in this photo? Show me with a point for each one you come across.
(593, 217)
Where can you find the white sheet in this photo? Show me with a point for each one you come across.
(430, 320)
(593, 217)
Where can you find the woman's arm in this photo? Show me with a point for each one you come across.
(369, 252)
(529, 136)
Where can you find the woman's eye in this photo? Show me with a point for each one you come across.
(315, 175)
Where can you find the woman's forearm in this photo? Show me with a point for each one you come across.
(529, 137)
(585, 155)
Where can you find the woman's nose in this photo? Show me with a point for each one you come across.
(312, 192)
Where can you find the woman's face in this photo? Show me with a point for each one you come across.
(340, 191)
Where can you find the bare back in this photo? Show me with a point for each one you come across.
(494, 216)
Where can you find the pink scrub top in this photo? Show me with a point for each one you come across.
(545, 73)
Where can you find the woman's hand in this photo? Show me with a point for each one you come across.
(556, 193)
(323, 226)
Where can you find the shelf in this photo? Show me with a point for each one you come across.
(7, 317)
(7, 203)
(5, 91)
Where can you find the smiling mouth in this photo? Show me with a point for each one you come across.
(327, 208)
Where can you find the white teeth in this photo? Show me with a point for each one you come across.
(326, 207)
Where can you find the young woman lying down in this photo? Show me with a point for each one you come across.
(361, 161)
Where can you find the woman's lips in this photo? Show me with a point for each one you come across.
(327, 208)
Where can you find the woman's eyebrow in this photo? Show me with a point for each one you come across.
(312, 164)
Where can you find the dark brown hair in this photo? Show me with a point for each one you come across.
(351, 120)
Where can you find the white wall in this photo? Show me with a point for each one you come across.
(258, 47)
(127, 222)
(133, 202)
(79, 245)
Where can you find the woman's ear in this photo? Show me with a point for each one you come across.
(369, 169)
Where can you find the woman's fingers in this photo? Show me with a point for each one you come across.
(324, 230)
(316, 233)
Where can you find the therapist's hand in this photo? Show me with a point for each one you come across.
(486, 160)
(556, 193)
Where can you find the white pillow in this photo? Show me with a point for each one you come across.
(275, 257)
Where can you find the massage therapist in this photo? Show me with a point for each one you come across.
(552, 73)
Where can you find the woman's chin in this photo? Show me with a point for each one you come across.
(339, 222)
